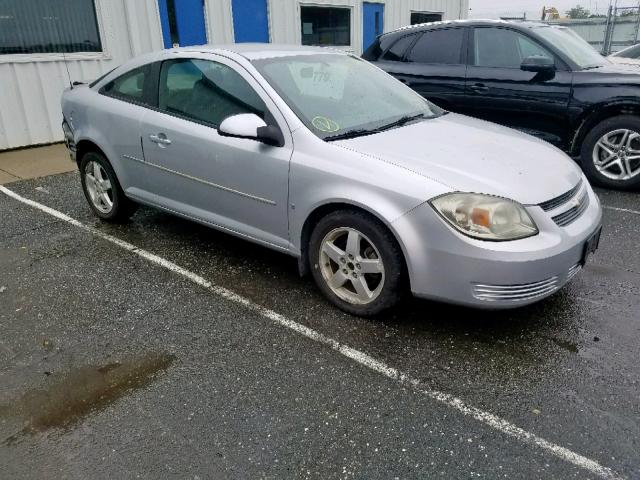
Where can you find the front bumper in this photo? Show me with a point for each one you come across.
(447, 266)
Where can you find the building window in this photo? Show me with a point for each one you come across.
(34, 26)
(422, 17)
(325, 25)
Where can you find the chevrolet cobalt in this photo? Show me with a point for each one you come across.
(321, 155)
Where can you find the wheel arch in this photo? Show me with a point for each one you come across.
(321, 211)
(598, 114)
(95, 143)
(85, 146)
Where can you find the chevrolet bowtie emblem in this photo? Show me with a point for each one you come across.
(576, 203)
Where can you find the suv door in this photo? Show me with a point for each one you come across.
(501, 92)
(235, 183)
(432, 62)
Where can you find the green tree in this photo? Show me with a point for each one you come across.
(578, 12)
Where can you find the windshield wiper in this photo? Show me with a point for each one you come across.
(350, 134)
(400, 122)
(361, 131)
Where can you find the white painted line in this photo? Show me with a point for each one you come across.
(618, 209)
(362, 358)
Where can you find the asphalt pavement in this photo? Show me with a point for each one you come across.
(113, 366)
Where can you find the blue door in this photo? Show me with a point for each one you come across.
(250, 21)
(372, 22)
(182, 22)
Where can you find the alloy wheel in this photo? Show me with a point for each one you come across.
(99, 187)
(351, 266)
(617, 154)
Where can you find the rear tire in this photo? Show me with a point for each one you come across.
(356, 262)
(610, 153)
(103, 191)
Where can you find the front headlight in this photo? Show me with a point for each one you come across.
(485, 217)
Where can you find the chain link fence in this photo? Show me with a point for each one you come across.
(609, 33)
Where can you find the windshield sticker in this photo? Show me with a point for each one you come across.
(325, 124)
(321, 80)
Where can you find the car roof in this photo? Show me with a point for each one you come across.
(247, 51)
(469, 23)
(254, 51)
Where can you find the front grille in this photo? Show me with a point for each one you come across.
(561, 200)
(568, 216)
(524, 291)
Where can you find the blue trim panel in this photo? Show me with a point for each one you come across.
(372, 22)
(250, 21)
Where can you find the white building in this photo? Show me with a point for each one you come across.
(98, 35)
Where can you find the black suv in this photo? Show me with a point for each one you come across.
(544, 80)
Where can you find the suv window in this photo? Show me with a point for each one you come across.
(205, 91)
(442, 46)
(499, 47)
(128, 87)
(396, 52)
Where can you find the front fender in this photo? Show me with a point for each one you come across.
(334, 176)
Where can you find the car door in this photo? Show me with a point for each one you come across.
(118, 111)
(431, 62)
(501, 92)
(238, 184)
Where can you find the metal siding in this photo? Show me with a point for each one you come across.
(32, 85)
(219, 21)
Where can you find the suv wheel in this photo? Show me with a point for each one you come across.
(356, 262)
(610, 153)
(102, 189)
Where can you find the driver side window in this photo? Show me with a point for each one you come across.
(503, 48)
(205, 91)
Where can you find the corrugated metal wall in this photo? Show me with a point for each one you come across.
(31, 85)
(284, 17)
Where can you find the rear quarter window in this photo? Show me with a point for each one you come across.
(398, 49)
(128, 86)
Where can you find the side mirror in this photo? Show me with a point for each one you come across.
(538, 64)
(252, 127)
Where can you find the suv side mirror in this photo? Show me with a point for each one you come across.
(538, 64)
(252, 127)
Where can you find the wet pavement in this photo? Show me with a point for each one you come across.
(112, 367)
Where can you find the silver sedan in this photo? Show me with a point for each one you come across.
(318, 154)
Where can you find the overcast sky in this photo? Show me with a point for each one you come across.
(498, 8)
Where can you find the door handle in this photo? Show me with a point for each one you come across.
(479, 88)
(160, 139)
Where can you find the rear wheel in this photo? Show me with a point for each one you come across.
(102, 189)
(356, 262)
(610, 154)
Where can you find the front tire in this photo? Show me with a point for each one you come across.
(610, 153)
(356, 262)
(102, 189)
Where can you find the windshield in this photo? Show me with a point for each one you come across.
(572, 45)
(336, 95)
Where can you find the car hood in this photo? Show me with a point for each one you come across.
(624, 61)
(472, 155)
(611, 74)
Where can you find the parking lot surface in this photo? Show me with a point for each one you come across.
(114, 366)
